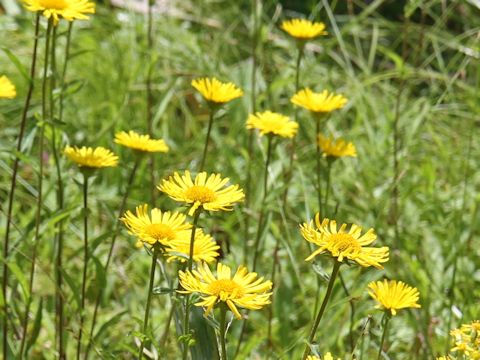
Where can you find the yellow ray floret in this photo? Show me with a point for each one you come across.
(342, 244)
(393, 295)
(243, 289)
(303, 29)
(216, 91)
(327, 356)
(323, 102)
(7, 89)
(66, 9)
(208, 192)
(467, 340)
(205, 249)
(269, 122)
(158, 227)
(140, 142)
(88, 157)
(336, 148)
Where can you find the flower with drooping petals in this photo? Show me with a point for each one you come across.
(393, 295)
(269, 122)
(142, 143)
(215, 91)
(208, 192)
(205, 249)
(244, 289)
(336, 148)
(303, 29)
(87, 157)
(323, 102)
(342, 244)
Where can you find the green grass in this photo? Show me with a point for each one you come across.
(361, 58)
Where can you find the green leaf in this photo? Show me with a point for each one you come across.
(37, 325)
(17, 64)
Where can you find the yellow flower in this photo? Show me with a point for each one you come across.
(139, 142)
(206, 192)
(303, 29)
(158, 227)
(272, 123)
(7, 89)
(343, 244)
(323, 102)
(67, 9)
(205, 249)
(393, 295)
(327, 356)
(215, 91)
(336, 148)
(243, 290)
(88, 157)
(443, 358)
(467, 340)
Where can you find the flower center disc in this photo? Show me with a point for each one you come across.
(160, 231)
(344, 243)
(200, 193)
(225, 289)
(53, 4)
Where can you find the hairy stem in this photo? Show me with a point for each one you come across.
(207, 140)
(386, 320)
(223, 331)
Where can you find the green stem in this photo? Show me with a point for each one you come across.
(319, 166)
(327, 190)
(85, 262)
(60, 204)
(262, 210)
(207, 140)
(13, 185)
(38, 213)
(223, 331)
(149, 301)
(386, 320)
(186, 321)
(116, 231)
(331, 282)
(288, 174)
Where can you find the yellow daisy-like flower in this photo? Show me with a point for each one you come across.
(323, 102)
(158, 227)
(243, 290)
(205, 249)
(343, 244)
(7, 89)
(88, 157)
(216, 91)
(327, 356)
(467, 340)
(303, 29)
(393, 295)
(443, 358)
(336, 148)
(206, 192)
(269, 122)
(139, 142)
(66, 9)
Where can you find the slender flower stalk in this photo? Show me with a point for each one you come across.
(260, 225)
(46, 115)
(186, 321)
(318, 119)
(207, 140)
(13, 184)
(331, 282)
(85, 261)
(149, 93)
(60, 321)
(110, 251)
(149, 300)
(223, 331)
(386, 320)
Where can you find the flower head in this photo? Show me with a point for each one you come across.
(205, 249)
(272, 123)
(142, 143)
(303, 29)
(467, 340)
(327, 356)
(215, 91)
(66, 9)
(206, 192)
(393, 295)
(88, 157)
(158, 227)
(7, 89)
(243, 289)
(336, 148)
(343, 244)
(323, 102)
